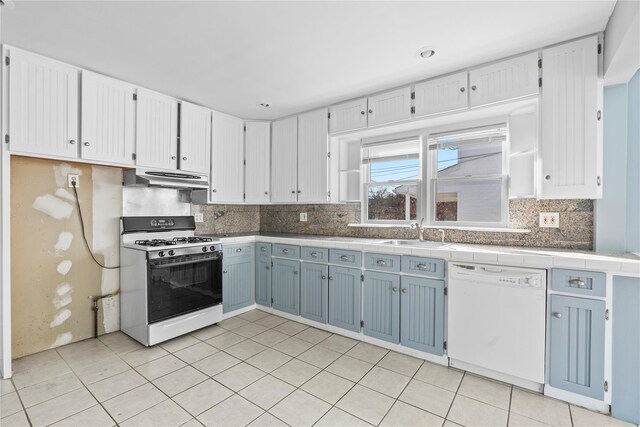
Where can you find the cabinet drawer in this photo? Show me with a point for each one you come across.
(345, 257)
(579, 282)
(263, 249)
(234, 251)
(420, 266)
(382, 262)
(286, 251)
(309, 253)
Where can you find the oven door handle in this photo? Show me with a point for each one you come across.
(157, 265)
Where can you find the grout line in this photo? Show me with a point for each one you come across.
(510, 399)
(24, 409)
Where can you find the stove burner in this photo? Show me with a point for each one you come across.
(155, 242)
(192, 239)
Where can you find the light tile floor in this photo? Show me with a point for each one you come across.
(262, 370)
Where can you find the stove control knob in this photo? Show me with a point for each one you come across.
(172, 252)
(161, 253)
(212, 248)
(204, 249)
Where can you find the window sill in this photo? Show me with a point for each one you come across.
(448, 227)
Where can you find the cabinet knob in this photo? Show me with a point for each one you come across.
(293, 191)
(299, 191)
(72, 141)
(473, 87)
(224, 271)
(263, 249)
(213, 190)
(173, 157)
(323, 277)
(394, 289)
(86, 144)
(405, 290)
(184, 158)
(362, 112)
(330, 277)
(370, 111)
(462, 89)
(547, 177)
(557, 315)
(239, 250)
(295, 272)
(266, 192)
(268, 268)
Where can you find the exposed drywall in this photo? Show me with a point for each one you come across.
(52, 274)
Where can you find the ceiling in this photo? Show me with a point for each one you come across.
(230, 55)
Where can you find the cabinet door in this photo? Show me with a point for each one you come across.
(227, 159)
(422, 308)
(441, 95)
(195, 138)
(344, 298)
(284, 160)
(156, 130)
(108, 119)
(314, 291)
(285, 285)
(504, 80)
(576, 346)
(312, 156)
(263, 274)
(390, 107)
(257, 147)
(237, 283)
(351, 115)
(43, 105)
(571, 143)
(381, 310)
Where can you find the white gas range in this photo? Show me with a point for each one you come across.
(171, 280)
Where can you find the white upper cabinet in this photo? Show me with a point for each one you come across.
(257, 147)
(389, 107)
(313, 128)
(156, 130)
(504, 80)
(227, 159)
(284, 160)
(195, 138)
(108, 119)
(441, 95)
(348, 116)
(43, 105)
(571, 143)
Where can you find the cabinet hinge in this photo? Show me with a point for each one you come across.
(540, 82)
(135, 96)
(328, 115)
(244, 196)
(607, 314)
(7, 61)
(271, 263)
(329, 154)
(133, 156)
(444, 345)
(599, 48)
(540, 63)
(244, 162)
(606, 386)
(362, 277)
(245, 128)
(446, 291)
(271, 300)
(413, 95)
(413, 110)
(362, 323)
(328, 193)
(6, 138)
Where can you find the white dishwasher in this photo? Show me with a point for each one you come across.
(496, 322)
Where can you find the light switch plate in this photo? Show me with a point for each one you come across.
(303, 216)
(549, 220)
(198, 217)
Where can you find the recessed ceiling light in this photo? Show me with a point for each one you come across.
(263, 104)
(426, 52)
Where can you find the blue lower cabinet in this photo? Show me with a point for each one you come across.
(237, 281)
(263, 274)
(314, 291)
(285, 285)
(344, 298)
(422, 314)
(381, 308)
(576, 346)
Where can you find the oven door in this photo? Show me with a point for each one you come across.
(183, 284)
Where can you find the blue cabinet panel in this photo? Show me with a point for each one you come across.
(422, 308)
(381, 307)
(576, 346)
(587, 283)
(625, 382)
(382, 262)
(421, 266)
(285, 285)
(314, 291)
(309, 253)
(344, 298)
(237, 277)
(286, 251)
(345, 257)
(263, 274)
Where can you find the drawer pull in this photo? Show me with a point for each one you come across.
(394, 289)
(239, 250)
(263, 249)
(314, 254)
(344, 258)
(422, 266)
(578, 282)
(381, 262)
(285, 251)
(557, 315)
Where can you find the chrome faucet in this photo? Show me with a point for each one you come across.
(441, 234)
(420, 230)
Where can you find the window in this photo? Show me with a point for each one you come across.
(468, 178)
(392, 177)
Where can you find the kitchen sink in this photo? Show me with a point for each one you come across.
(416, 243)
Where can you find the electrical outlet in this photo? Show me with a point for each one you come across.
(303, 216)
(71, 178)
(549, 220)
(198, 217)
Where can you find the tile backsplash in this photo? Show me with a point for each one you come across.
(575, 231)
